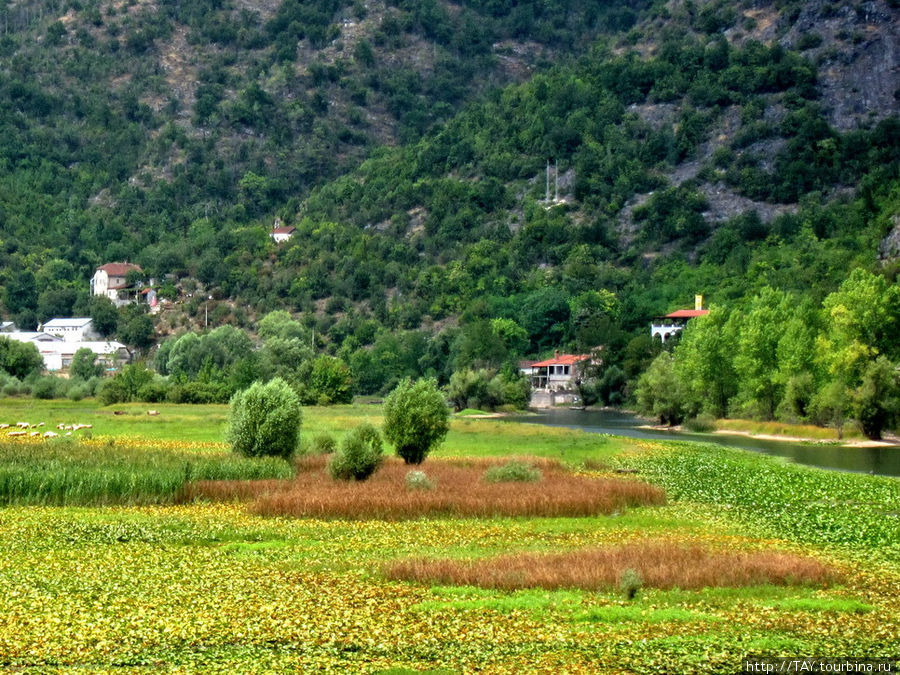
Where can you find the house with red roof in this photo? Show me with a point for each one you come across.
(666, 326)
(560, 373)
(280, 232)
(111, 280)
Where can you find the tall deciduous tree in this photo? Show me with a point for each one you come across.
(660, 392)
(862, 321)
(705, 361)
(761, 328)
(877, 400)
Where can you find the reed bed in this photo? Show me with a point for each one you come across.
(65, 472)
(660, 564)
(459, 491)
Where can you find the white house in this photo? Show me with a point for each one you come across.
(110, 280)
(561, 373)
(282, 234)
(666, 326)
(58, 355)
(71, 330)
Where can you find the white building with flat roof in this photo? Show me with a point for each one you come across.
(71, 330)
(58, 353)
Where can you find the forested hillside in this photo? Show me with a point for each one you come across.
(723, 148)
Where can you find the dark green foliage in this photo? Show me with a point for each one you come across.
(416, 419)
(264, 420)
(443, 225)
(660, 393)
(19, 359)
(104, 315)
(322, 444)
(84, 365)
(485, 389)
(876, 402)
(330, 381)
(359, 454)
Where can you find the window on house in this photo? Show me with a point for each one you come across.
(565, 370)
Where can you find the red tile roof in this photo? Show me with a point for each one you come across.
(290, 229)
(562, 360)
(119, 269)
(687, 313)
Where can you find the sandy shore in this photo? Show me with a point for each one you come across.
(888, 441)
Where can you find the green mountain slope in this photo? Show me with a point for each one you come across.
(694, 148)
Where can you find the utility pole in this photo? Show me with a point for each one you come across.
(547, 190)
(556, 181)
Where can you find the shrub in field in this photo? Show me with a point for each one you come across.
(322, 444)
(418, 480)
(630, 583)
(153, 392)
(47, 387)
(416, 419)
(513, 471)
(112, 391)
(359, 455)
(264, 420)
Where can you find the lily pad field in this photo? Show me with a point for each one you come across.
(140, 543)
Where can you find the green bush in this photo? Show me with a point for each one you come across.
(418, 480)
(264, 420)
(78, 391)
(112, 391)
(513, 472)
(47, 387)
(359, 455)
(322, 444)
(416, 419)
(630, 583)
(153, 392)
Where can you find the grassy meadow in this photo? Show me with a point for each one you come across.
(139, 569)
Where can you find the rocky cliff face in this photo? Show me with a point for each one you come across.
(857, 49)
(890, 245)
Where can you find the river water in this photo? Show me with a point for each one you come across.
(884, 461)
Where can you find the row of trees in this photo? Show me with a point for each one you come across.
(265, 420)
(211, 367)
(778, 355)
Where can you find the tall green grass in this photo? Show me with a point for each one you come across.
(66, 472)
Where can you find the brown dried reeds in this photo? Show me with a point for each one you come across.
(459, 491)
(659, 563)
